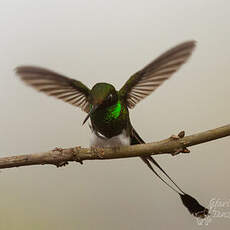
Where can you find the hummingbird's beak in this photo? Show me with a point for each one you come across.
(90, 112)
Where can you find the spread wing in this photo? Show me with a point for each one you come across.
(145, 81)
(57, 85)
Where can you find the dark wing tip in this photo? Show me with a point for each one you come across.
(20, 69)
(27, 69)
(192, 44)
(189, 43)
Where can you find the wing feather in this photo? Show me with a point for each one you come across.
(145, 81)
(57, 85)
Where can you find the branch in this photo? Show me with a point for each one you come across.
(59, 157)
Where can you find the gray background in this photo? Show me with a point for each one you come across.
(108, 41)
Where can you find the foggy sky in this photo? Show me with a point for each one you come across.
(108, 41)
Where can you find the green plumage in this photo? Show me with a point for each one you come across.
(114, 111)
(111, 120)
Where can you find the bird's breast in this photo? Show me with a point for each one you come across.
(110, 123)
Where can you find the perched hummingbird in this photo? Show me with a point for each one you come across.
(108, 109)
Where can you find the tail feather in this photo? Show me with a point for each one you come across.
(189, 202)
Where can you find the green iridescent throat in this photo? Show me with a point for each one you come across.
(113, 111)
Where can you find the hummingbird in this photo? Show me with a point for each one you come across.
(108, 108)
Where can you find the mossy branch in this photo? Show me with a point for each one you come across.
(59, 157)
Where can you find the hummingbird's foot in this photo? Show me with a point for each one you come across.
(98, 151)
(179, 136)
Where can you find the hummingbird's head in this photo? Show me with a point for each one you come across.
(101, 95)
